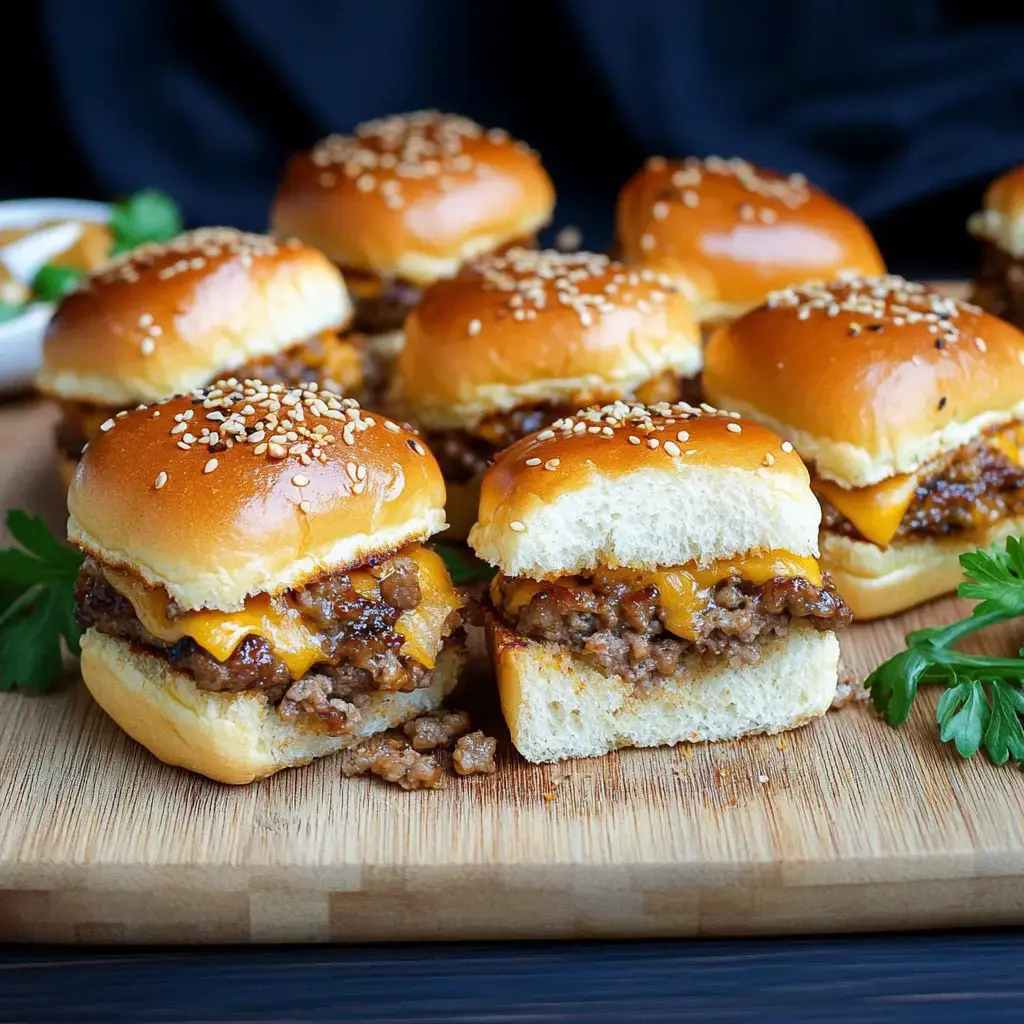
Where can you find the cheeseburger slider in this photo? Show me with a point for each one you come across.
(907, 406)
(406, 201)
(256, 592)
(999, 284)
(163, 319)
(519, 339)
(657, 582)
(730, 232)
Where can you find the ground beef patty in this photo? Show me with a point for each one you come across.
(999, 285)
(619, 629)
(386, 311)
(362, 650)
(971, 487)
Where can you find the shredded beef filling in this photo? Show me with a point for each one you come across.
(361, 648)
(999, 285)
(971, 487)
(620, 630)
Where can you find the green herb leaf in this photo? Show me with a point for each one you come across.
(53, 282)
(463, 565)
(963, 715)
(1004, 737)
(148, 215)
(893, 685)
(37, 598)
(10, 311)
(995, 578)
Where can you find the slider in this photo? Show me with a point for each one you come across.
(405, 201)
(906, 405)
(729, 232)
(519, 339)
(163, 319)
(999, 283)
(657, 582)
(257, 592)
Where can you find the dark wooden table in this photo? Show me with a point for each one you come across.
(892, 979)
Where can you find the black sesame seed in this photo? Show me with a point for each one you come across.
(411, 443)
(874, 327)
(942, 402)
(940, 343)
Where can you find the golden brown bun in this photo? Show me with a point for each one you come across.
(164, 319)
(413, 196)
(558, 706)
(878, 581)
(216, 526)
(852, 373)
(567, 500)
(526, 326)
(66, 470)
(1001, 219)
(733, 232)
(232, 737)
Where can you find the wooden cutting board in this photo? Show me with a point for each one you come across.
(845, 825)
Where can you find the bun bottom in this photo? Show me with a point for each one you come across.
(558, 706)
(66, 467)
(231, 737)
(876, 581)
(461, 505)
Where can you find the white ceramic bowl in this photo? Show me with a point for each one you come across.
(21, 339)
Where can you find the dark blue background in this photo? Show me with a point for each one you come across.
(902, 108)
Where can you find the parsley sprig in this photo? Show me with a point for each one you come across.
(37, 604)
(983, 705)
(463, 566)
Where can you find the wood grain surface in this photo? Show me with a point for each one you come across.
(858, 826)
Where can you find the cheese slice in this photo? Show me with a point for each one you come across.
(282, 624)
(875, 511)
(685, 591)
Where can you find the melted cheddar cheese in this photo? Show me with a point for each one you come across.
(877, 511)
(282, 624)
(685, 591)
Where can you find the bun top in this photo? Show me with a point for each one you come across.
(526, 327)
(1001, 219)
(241, 489)
(868, 377)
(643, 487)
(165, 318)
(414, 196)
(731, 232)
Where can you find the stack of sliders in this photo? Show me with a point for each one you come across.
(657, 582)
(407, 200)
(256, 592)
(999, 282)
(519, 339)
(166, 318)
(907, 406)
(729, 232)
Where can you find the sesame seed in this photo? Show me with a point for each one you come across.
(544, 435)
(277, 451)
(683, 436)
(161, 479)
(474, 328)
(416, 447)
(393, 427)
(652, 442)
(533, 462)
(551, 465)
(942, 402)
(660, 210)
(982, 347)
(690, 451)
(516, 526)
(184, 447)
(210, 466)
(769, 459)
(148, 346)
(787, 446)
(734, 427)
(633, 439)
(300, 481)
(671, 448)
(305, 506)
(647, 241)
(106, 425)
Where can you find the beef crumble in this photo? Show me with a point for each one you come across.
(474, 754)
(972, 486)
(387, 310)
(390, 756)
(619, 629)
(999, 285)
(362, 651)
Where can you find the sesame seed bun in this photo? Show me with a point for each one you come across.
(731, 232)
(235, 738)
(525, 327)
(214, 526)
(876, 581)
(1001, 218)
(413, 196)
(558, 706)
(163, 319)
(643, 487)
(868, 378)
